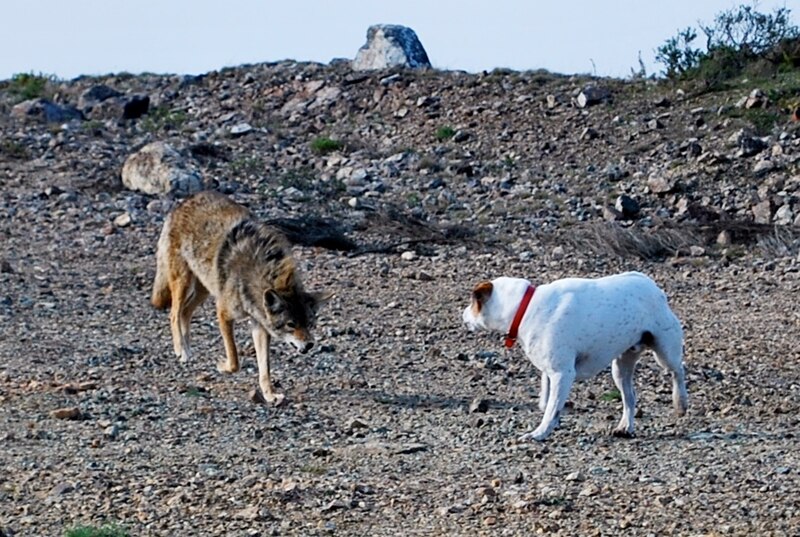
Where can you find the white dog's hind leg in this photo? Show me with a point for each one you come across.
(559, 385)
(622, 369)
(669, 354)
(544, 392)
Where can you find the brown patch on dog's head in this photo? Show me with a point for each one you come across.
(480, 294)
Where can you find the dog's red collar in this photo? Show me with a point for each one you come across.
(511, 337)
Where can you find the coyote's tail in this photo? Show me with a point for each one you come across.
(161, 296)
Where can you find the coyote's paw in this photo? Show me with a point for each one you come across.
(224, 367)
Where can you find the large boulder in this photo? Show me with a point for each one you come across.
(390, 45)
(159, 169)
(103, 102)
(44, 110)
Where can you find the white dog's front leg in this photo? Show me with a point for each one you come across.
(544, 392)
(559, 385)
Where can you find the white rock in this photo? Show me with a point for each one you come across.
(158, 169)
(390, 45)
(410, 255)
(123, 220)
(241, 129)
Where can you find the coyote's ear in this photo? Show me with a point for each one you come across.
(321, 297)
(286, 277)
(480, 294)
(273, 301)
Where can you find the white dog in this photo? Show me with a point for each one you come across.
(574, 328)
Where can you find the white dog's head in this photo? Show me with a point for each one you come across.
(493, 304)
(475, 315)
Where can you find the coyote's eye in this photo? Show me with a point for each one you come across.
(291, 325)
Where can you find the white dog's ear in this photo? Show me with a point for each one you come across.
(480, 294)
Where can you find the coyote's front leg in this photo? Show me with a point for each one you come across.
(261, 343)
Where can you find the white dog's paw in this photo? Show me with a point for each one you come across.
(537, 435)
(186, 356)
(622, 432)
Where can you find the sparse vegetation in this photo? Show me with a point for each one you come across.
(24, 86)
(762, 121)
(324, 145)
(13, 149)
(740, 41)
(611, 395)
(445, 133)
(94, 126)
(93, 531)
(247, 166)
(163, 118)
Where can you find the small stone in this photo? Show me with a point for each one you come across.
(589, 490)
(408, 255)
(756, 99)
(353, 203)
(627, 206)
(478, 405)
(589, 134)
(334, 506)
(592, 95)
(61, 489)
(574, 476)
(461, 136)
(241, 129)
(248, 513)
(123, 220)
(661, 183)
(763, 167)
(762, 212)
(696, 251)
(784, 216)
(69, 413)
(490, 520)
(724, 238)
(354, 424)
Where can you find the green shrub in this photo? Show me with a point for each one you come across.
(24, 86)
(14, 150)
(611, 395)
(324, 145)
(445, 133)
(737, 39)
(163, 118)
(92, 531)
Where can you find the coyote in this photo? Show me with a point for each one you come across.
(211, 245)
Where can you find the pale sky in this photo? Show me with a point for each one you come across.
(73, 37)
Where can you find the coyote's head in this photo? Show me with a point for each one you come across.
(293, 315)
(292, 311)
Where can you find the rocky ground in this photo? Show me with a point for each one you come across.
(399, 422)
